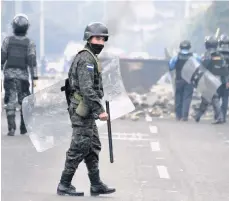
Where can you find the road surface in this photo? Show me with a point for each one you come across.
(162, 160)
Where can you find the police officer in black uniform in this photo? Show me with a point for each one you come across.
(17, 53)
(213, 61)
(224, 88)
(183, 90)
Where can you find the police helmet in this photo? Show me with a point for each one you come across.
(20, 24)
(211, 42)
(185, 45)
(223, 40)
(95, 29)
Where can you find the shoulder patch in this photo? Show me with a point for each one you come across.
(90, 67)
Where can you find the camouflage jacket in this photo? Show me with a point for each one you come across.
(86, 80)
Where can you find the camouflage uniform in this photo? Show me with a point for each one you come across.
(17, 53)
(85, 79)
(83, 93)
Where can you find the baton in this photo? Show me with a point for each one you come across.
(32, 76)
(32, 88)
(109, 132)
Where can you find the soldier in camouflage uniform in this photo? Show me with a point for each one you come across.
(85, 82)
(17, 53)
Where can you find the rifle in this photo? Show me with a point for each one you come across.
(32, 88)
(67, 90)
(109, 132)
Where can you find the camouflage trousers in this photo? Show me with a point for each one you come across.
(15, 91)
(85, 144)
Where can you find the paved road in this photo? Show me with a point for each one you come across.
(162, 160)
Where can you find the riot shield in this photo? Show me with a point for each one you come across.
(46, 116)
(114, 90)
(203, 80)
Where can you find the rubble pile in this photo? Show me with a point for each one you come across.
(159, 102)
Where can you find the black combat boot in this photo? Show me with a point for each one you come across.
(23, 129)
(65, 187)
(11, 125)
(97, 186)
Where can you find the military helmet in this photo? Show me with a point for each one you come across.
(185, 45)
(224, 40)
(95, 29)
(20, 23)
(211, 42)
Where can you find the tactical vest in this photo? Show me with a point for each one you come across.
(181, 60)
(97, 72)
(218, 65)
(17, 53)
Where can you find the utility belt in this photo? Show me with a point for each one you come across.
(15, 67)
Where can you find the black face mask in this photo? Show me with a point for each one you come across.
(97, 48)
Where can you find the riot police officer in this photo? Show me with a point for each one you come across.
(213, 61)
(183, 90)
(86, 92)
(17, 53)
(224, 88)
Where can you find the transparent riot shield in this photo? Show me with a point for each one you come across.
(202, 79)
(114, 90)
(46, 116)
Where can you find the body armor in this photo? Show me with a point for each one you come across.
(218, 65)
(17, 52)
(182, 58)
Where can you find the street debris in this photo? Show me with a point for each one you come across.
(159, 102)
